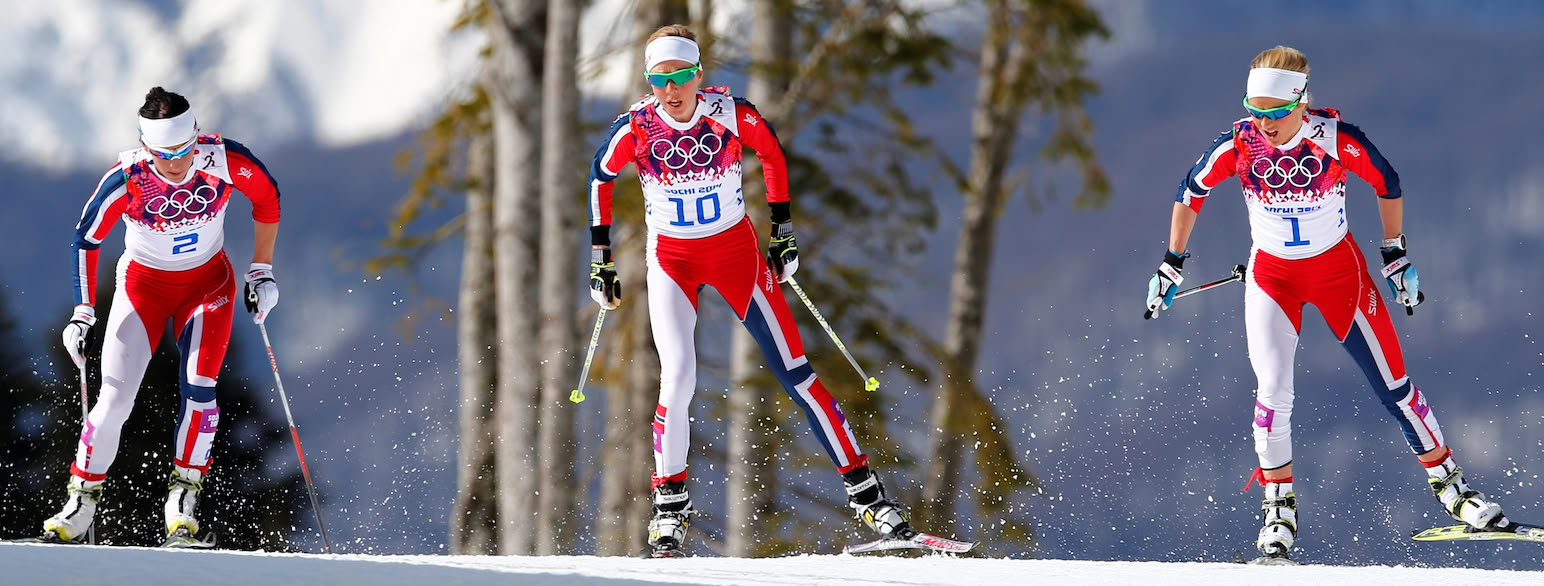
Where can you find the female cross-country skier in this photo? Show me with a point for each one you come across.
(1292, 162)
(172, 193)
(686, 143)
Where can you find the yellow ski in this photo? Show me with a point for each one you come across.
(1514, 532)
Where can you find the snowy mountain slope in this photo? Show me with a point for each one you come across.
(40, 564)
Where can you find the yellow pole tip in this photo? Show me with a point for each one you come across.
(871, 385)
(576, 396)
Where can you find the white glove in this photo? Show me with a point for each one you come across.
(262, 292)
(75, 333)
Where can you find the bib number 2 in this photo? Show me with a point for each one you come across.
(704, 215)
(185, 243)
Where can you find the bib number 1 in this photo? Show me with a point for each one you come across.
(1297, 234)
(703, 216)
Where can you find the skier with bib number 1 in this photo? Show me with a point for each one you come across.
(1292, 161)
(687, 143)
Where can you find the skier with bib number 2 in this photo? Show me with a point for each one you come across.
(172, 194)
(1292, 161)
(687, 143)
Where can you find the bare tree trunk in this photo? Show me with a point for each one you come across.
(750, 477)
(517, 33)
(994, 126)
(559, 275)
(473, 526)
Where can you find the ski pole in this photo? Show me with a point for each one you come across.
(1238, 275)
(577, 396)
(284, 400)
(869, 383)
(85, 423)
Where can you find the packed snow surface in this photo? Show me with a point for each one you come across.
(48, 564)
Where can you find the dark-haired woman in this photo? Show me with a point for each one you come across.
(172, 194)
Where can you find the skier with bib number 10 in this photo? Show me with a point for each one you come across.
(686, 142)
(1292, 161)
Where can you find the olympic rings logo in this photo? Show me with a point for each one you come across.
(1299, 172)
(193, 202)
(687, 149)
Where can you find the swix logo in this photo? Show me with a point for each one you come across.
(245, 172)
(768, 285)
(217, 303)
(1372, 302)
(1353, 151)
(750, 119)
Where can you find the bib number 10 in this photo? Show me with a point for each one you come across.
(708, 211)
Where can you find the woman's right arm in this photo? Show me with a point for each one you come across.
(613, 156)
(1217, 163)
(102, 211)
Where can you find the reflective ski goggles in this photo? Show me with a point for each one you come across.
(173, 153)
(1276, 113)
(679, 76)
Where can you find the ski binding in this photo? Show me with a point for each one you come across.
(183, 539)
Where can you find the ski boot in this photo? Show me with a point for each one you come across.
(79, 513)
(1464, 504)
(672, 512)
(866, 496)
(1280, 530)
(181, 502)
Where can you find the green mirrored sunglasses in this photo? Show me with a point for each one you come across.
(679, 76)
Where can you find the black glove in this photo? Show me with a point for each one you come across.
(783, 251)
(605, 288)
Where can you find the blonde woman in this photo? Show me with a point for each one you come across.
(686, 142)
(1292, 163)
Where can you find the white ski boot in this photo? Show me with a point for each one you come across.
(72, 522)
(1465, 505)
(866, 496)
(182, 501)
(1280, 530)
(672, 515)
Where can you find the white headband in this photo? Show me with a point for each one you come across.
(1266, 82)
(671, 48)
(168, 132)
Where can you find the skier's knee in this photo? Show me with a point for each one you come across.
(197, 394)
